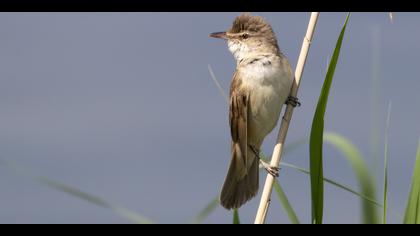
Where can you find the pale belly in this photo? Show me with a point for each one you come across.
(269, 88)
(265, 107)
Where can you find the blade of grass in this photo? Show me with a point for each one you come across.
(124, 213)
(334, 183)
(302, 141)
(285, 203)
(365, 179)
(213, 77)
(327, 180)
(346, 188)
(295, 145)
(412, 212)
(208, 209)
(317, 132)
(385, 198)
(236, 220)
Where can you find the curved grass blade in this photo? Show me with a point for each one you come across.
(412, 212)
(213, 77)
(365, 179)
(344, 187)
(334, 183)
(285, 203)
(316, 138)
(124, 213)
(236, 220)
(300, 142)
(385, 198)
(208, 209)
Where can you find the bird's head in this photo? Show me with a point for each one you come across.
(248, 35)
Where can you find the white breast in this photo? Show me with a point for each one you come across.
(269, 81)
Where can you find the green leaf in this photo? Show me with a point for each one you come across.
(412, 212)
(365, 179)
(385, 197)
(208, 209)
(316, 138)
(285, 203)
(334, 183)
(236, 220)
(124, 213)
(292, 146)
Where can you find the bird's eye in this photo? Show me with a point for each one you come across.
(245, 36)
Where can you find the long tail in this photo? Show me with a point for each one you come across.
(239, 186)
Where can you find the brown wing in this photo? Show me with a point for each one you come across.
(241, 183)
(238, 117)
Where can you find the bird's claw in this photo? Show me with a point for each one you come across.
(293, 101)
(272, 170)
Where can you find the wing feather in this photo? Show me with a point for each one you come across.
(238, 118)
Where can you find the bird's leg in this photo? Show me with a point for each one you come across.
(272, 170)
(294, 101)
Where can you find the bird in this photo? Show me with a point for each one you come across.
(260, 87)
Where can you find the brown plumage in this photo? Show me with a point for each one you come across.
(259, 87)
(256, 25)
(242, 180)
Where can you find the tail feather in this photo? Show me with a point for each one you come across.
(238, 188)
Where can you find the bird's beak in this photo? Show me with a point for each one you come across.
(220, 35)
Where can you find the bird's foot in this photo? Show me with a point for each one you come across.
(293, 101)
(272, 170)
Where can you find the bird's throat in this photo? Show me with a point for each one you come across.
(239, 50)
